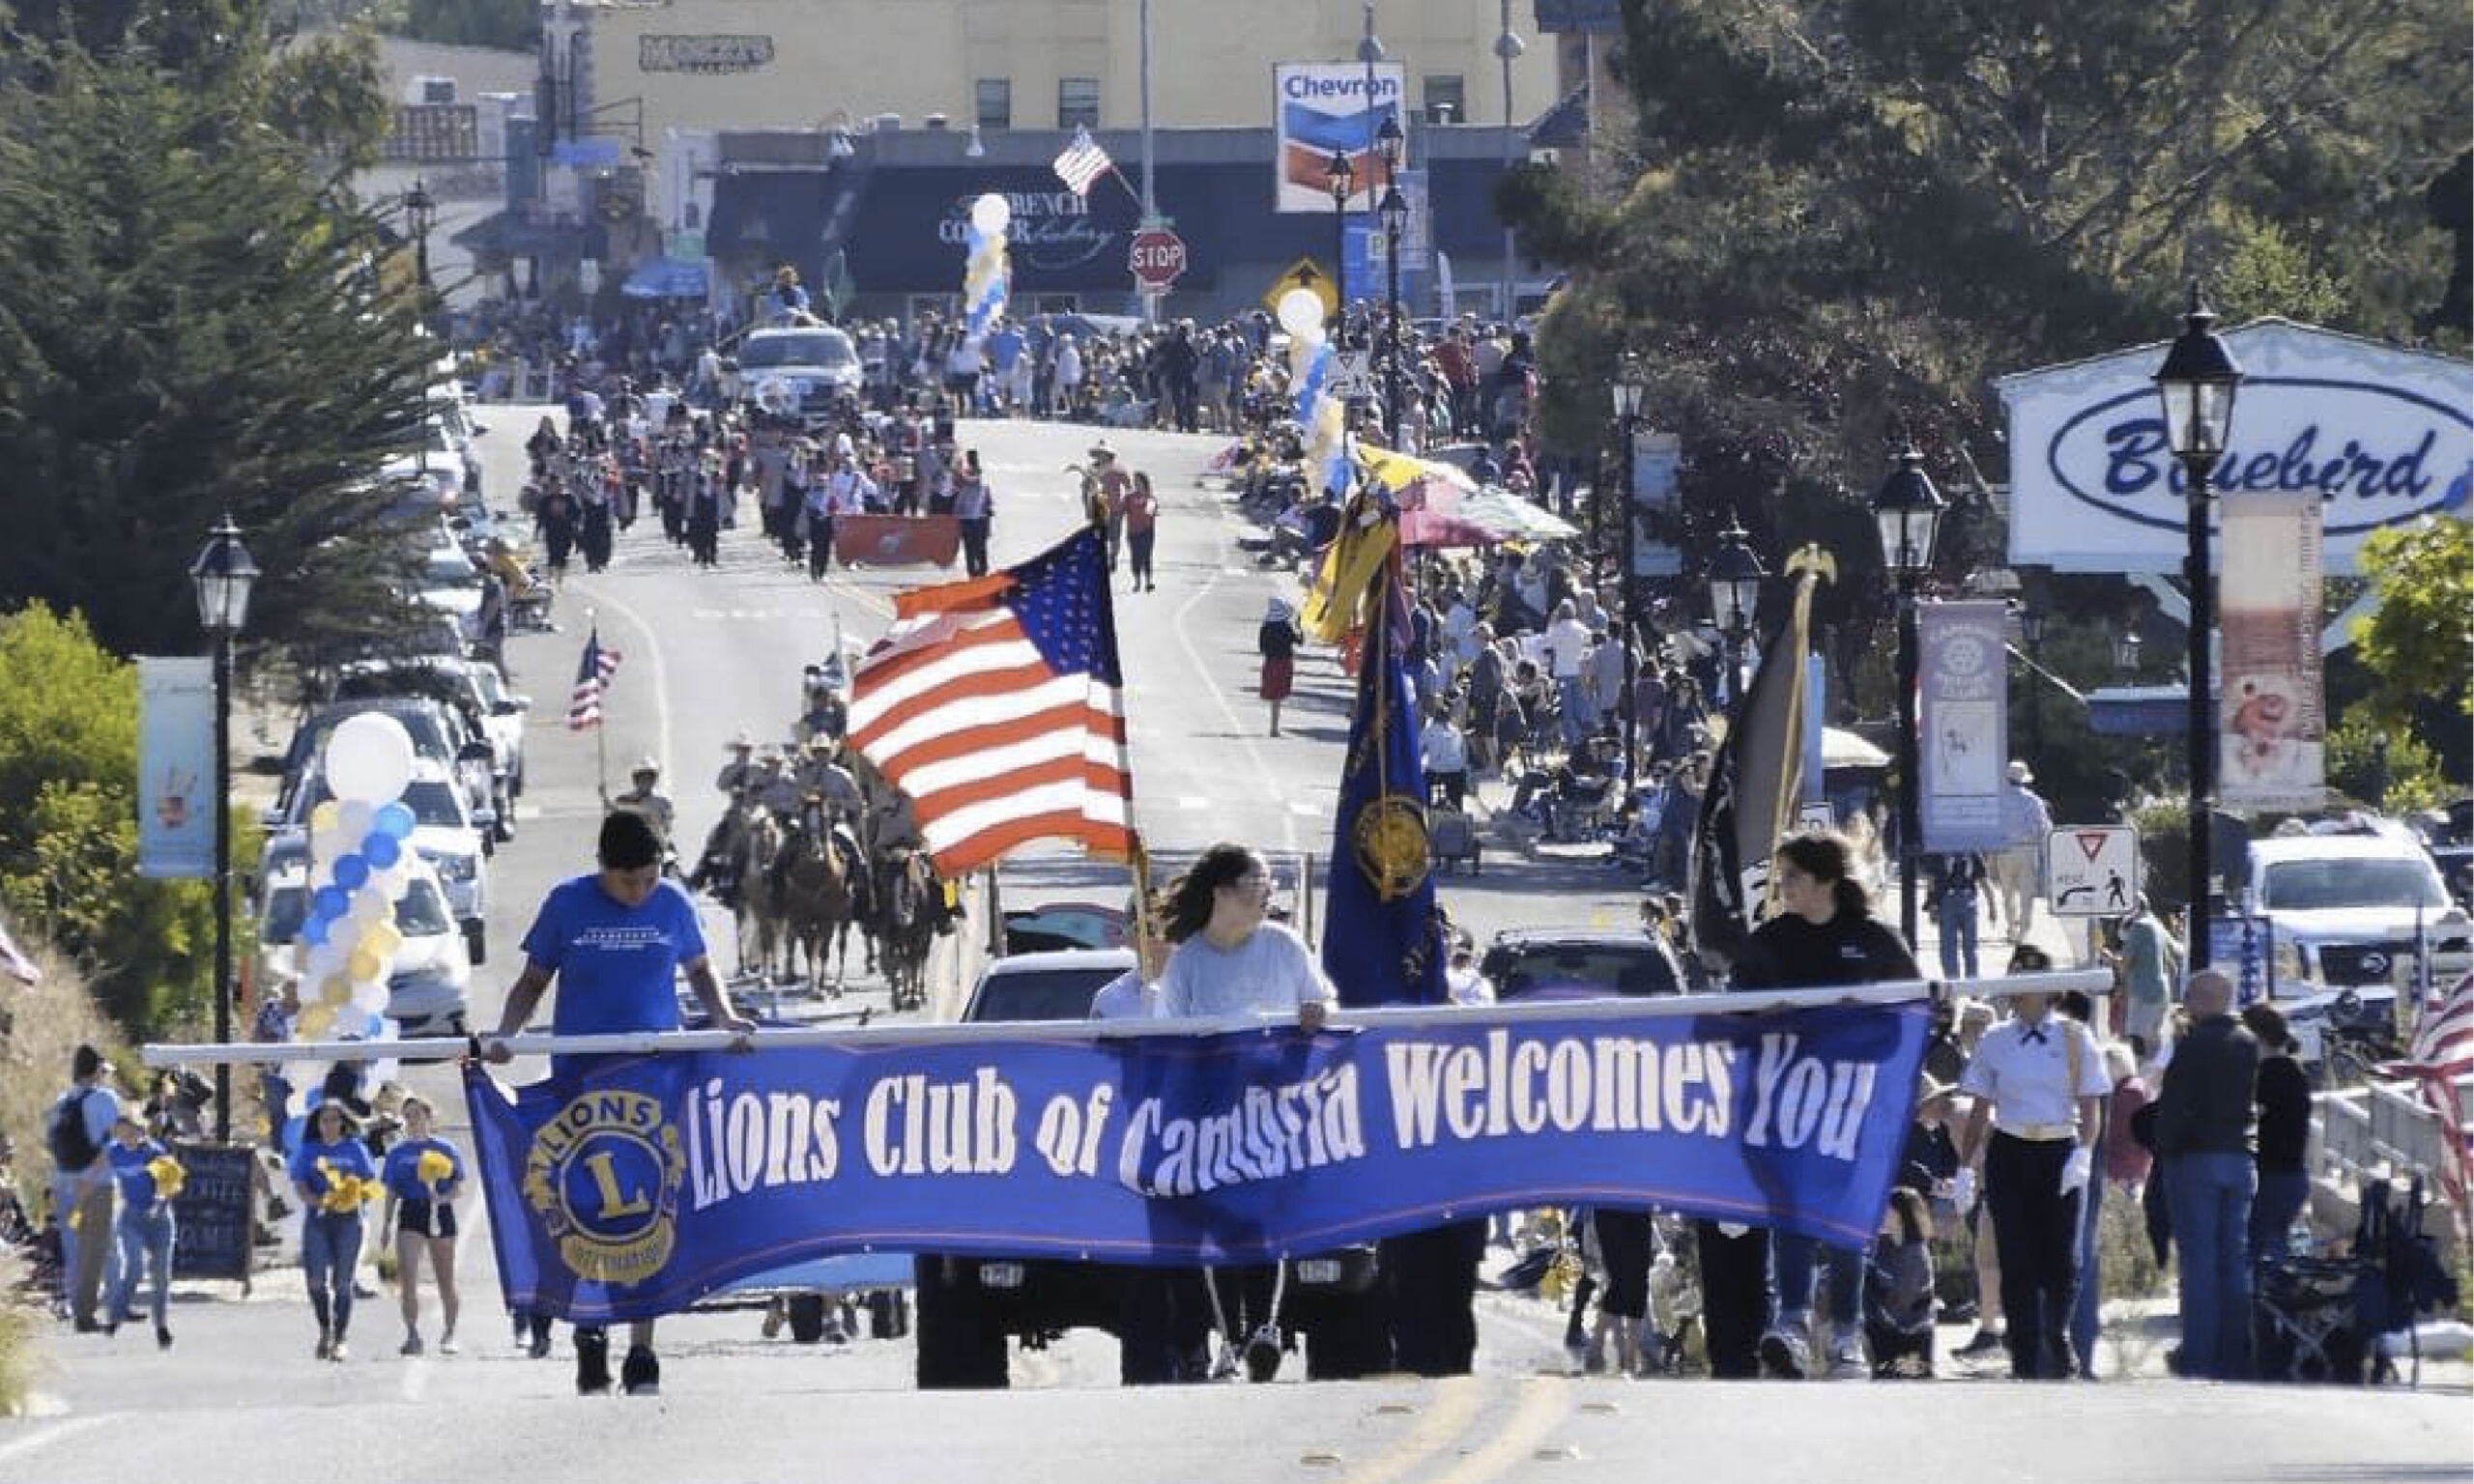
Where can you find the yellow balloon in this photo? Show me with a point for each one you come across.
(334, 991)
(382, 939)
(316, 1021)
(366, 965)
(324, 817)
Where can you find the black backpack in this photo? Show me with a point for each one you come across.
(72, 1147)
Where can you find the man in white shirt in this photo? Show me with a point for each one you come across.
(1568, 645)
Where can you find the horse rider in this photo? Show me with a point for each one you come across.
(775, 789)
(647, 800)
(740, 772)
(825, 716)
(830, 795)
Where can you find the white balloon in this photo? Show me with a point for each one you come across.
(369, 757)
(369, 908)
(1301, 313)
(393, 882)
(352, 823)
(369, 995)
(989, 213)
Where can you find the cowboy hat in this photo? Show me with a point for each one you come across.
(742, 742)
(1102, 450)
(2020, 773)
(644, 764)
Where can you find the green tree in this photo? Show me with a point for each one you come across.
(189, 327)
(69, 722)
(2419, 645)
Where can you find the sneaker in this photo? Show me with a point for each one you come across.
(641, 1373)
(1984, 1342)
(1784, 1355)
(326, 1346)
(411, 1345)
(447, 1343)
(1847, 1362)
(539, 1347)
(163, 1336)
(337, 1352)
(1262, 1355)
(592, 1363)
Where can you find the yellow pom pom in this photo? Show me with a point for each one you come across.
(434, 1167)
(168, 1176)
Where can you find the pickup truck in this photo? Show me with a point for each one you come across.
(968, 1307)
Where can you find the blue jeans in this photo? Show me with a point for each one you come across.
(329, 1254)
(145, 1242)
(2280, 1198)
(1955, 916)
(1790, 1269)
(1573, 693)
(2210, 1195)
(88, 1275)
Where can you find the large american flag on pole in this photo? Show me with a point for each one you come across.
(2443, 1051)
(593, 674)
(1082, 163)
(998, 706)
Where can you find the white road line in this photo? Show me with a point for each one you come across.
(38, 1442)
(1220, 696)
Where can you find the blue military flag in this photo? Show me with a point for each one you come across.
(1379, 940)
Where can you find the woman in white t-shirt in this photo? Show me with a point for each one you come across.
(1230, 960)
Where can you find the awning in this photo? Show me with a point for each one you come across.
(1840, 748)
(666, 278)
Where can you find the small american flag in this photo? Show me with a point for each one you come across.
(999, 706)
(592, 676)
(1082, 163)
(2442, 1051)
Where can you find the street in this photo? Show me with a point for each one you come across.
(709, 653)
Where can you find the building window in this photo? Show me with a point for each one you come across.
(995, 103)
(1078, 102)
(1447, 99)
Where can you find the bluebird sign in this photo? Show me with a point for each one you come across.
(2382, 436)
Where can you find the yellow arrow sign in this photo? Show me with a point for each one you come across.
(1303, 274)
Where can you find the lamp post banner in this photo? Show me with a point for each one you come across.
(1964, 676)
(2271, 725)
(176, 779)
(630, 1188)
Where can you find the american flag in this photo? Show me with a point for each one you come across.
(2443, 1051)
(592, 677)
(1082, 163)
(997, 704)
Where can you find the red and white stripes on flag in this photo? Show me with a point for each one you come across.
(999, 706)
(1082, 163)
(593, 674)
(2443, 1051)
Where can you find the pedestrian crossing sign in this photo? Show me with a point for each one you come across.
(1303, 274)
(2092, 869)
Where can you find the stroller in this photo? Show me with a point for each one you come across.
(2321, 1319)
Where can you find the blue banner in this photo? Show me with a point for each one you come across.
(176, 768)
(644, 1183)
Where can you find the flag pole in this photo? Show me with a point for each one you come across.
(600, 724)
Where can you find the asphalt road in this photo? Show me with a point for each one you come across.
(707, 655)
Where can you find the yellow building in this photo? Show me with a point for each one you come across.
(742, 65)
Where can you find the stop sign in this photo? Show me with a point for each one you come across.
(1157, 257)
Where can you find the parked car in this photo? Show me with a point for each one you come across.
(2344, 900)
(429, 980)
(968, 1307)
(1578, 963)
(480, 699)
(438, 731)
(451, 836)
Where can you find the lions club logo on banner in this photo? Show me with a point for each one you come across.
(604, 1176)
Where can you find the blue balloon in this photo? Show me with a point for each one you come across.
(313, 931)
(290, 1137)
(351, 873)
(394, 820)
(331, 901)
(381, 849)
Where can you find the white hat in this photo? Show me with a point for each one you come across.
(2019, 773)
(645, 764)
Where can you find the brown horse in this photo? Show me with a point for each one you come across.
(815, 898)
(745, 844)
(909, 902)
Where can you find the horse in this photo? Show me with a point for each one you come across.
(815, 898)
(909, 905)
(735, 869)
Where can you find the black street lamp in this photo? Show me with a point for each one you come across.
(421, 213)
(1396, 219)
(1736, 575)
(1628, 390)
(1341, 178)
(1906, 508)
(222, 575)
(2197, 385)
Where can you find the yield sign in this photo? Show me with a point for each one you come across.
(2092, 869)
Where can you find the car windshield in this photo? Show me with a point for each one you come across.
(1042, 994)
(422, 913)
(429, 737)
(1572, 971)
(2350, 881)
(814, 348)
(431, 802)
(286, 907)
(486, 680)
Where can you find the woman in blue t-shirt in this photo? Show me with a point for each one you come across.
(145, 1223)
(331, 1172)
(422, 1175)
